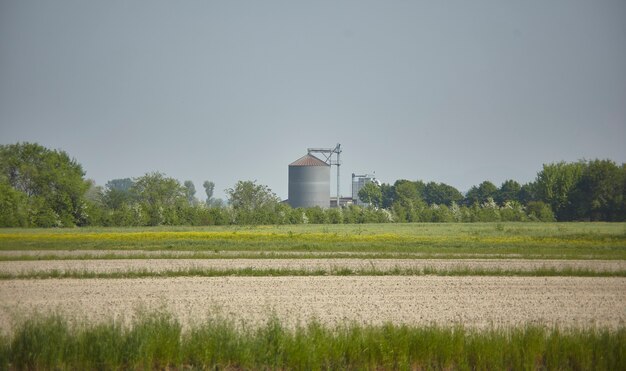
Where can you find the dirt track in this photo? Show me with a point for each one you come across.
(157, 265)
(473, 301)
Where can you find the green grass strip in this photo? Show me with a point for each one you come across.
(169, 254)
(157, 341)
(283, 272)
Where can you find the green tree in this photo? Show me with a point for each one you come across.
(408, 200)
(190, 192)
(95, 208)
(388, 192)
(408, 193)
(247, 195)
(160, 197)
(540, 211)
(128, 215)
(371, 194)
(209, 187)
(489, 211)
(295, 216)
(334, 216)
(440, 213)
(528, 193)
(253, 203)
(118, 192)
(401, 213)
(509, 191)
(316, 215)
(512, 211)
(554, 184)
(14, 207)
(51, 181)
(123, 184)
(481, 194)
(598, 194)
(441, 194)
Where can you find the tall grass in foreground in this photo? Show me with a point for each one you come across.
(157, 341)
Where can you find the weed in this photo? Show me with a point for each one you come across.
(334, 271)
(156, 341)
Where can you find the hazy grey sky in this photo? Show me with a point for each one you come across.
(451, 91)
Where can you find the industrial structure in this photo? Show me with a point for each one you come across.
(358, 182)
(328, 154)
(309, 180)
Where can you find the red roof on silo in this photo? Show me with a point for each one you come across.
(308, 160)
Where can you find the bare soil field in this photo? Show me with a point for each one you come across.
(160, 265)
(478, 302)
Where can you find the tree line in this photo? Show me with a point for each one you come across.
(40, 187)
(580, 191)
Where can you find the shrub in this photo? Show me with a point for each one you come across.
(540, 211)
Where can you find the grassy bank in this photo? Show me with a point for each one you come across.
(157, 341)
(541, 240)
(41, 255)
(287, 272)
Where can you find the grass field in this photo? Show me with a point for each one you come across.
(528, 240)
(389, 296)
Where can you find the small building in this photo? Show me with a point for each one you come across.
(343, 202)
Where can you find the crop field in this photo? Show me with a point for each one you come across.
(555, 290)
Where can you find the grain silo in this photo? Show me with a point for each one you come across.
(309, 182)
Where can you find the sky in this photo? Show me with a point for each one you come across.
(447, 91)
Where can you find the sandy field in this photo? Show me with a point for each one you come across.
(473, 301)
(158, 265)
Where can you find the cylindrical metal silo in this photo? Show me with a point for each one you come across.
(309, 182)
